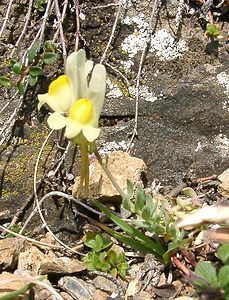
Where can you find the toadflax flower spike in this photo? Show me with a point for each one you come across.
(77, 103)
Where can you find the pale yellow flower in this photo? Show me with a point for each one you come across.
(77, 102)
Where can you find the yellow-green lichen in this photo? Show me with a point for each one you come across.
(19, 171)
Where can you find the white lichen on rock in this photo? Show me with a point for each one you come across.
(144, 92)
(114, 146)
(222, 144)
(223, 79)
(114, 90)
(162, 43)
(134, 42)
(166, 46)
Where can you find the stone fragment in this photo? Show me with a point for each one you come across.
(49, 239)
(100, 295)
(66, 296)
(40, 263)
(30, 260)
(224, 176)
(42, 293)
(223, 187)
(11, 282)
(62, 265)
(9, 252)
(133, 288)
(142, 295)
(122, 166)
(183, 298)
(104, 284)
(78, 289)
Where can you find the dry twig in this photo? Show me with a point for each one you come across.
(151, 29)
(112, 31)
(77, 24)
(60, 27)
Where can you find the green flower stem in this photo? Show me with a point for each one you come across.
(108, 173)
(84, 169)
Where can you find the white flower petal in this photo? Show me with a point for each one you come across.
(74, 70)
(97, 87)
(91, 133)
(56, 121)
(72, 129)
(42, 100)
(84, 77)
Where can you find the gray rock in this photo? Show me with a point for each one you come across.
(183, 133)
(77, 288)
(104, 284)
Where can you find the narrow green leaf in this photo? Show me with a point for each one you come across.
(17, 67)
(35, 49)
(20, 87)
(146, 213)
(135, 233)
(223, 253)
(208, 272)
(224, 276)
(32, 80)
(151, 203)
(137, 245)
(173, 246)
(127, 203)
(130, 188)
(140, 200)
(6, 82)
(49, 58)
(35, 71)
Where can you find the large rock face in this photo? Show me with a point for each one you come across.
(184, 132)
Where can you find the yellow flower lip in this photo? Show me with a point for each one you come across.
(57, 85)
(81, 111)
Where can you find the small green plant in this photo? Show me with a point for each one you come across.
(96, 241)
(209, 280)
(106, 261)
(39, 5)
(212, 30)
(37, 57)
(164, 238)
(16, 228)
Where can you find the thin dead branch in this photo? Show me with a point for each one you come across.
(150, 31)
(112, 31)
